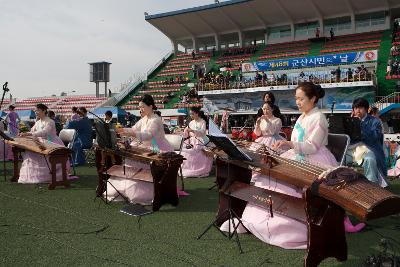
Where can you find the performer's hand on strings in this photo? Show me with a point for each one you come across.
(282, 143)
(125, 132)
(25, 134)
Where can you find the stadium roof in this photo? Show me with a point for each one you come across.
(246, 15)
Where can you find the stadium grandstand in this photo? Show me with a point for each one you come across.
(227, 54)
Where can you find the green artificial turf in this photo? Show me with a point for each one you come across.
(68, 227)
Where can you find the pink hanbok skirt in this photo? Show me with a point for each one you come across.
(35, 168)
(197, 163)
(280, 230)
(136, 191)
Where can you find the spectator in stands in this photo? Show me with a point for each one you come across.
(57, 122)
(393, 50)
(332, 34)
(75, 116)
(349, 74)
(109, 93)
(184, 99)
(273, 79)
(83, 139)
(258, 77)
(337, 74)
(369, 153)
(108, 116)
(264, 78)
(363, 72)
(317, 32)
(34, 167)
(395, 67)
(12, 119)
(389, 69)
(193, 54)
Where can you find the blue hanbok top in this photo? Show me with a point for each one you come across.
(372, 137)
(83, 128)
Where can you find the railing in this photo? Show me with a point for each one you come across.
(385, 101)
(161, 61)
(112, 101)
(321, 79)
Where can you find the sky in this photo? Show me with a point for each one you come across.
(46, 45)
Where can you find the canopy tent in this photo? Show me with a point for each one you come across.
(26, 114)
(117, 112)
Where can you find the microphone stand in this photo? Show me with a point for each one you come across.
(246, 122)
(332, 107)
(5, 90)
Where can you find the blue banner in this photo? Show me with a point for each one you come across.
(312, 61)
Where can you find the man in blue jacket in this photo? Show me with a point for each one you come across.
(373, 158)
(83, 138)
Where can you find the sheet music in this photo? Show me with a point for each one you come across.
(213, 130)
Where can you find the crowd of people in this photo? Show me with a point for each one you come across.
(228, 80)
(393, 64)
(179, 79)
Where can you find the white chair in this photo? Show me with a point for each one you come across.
(68, 136)
(176, 141)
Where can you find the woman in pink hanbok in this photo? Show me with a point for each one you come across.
(148, 133)
(267, 128)
(197, 163)
(34, 167)
(308, 143)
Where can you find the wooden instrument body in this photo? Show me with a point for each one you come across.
(56, 154)
(164, 172)
(323, 213)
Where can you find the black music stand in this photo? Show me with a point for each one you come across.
(231, 216)
(234, 153)
(2, 134)
(229, 147)
(106, 139)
